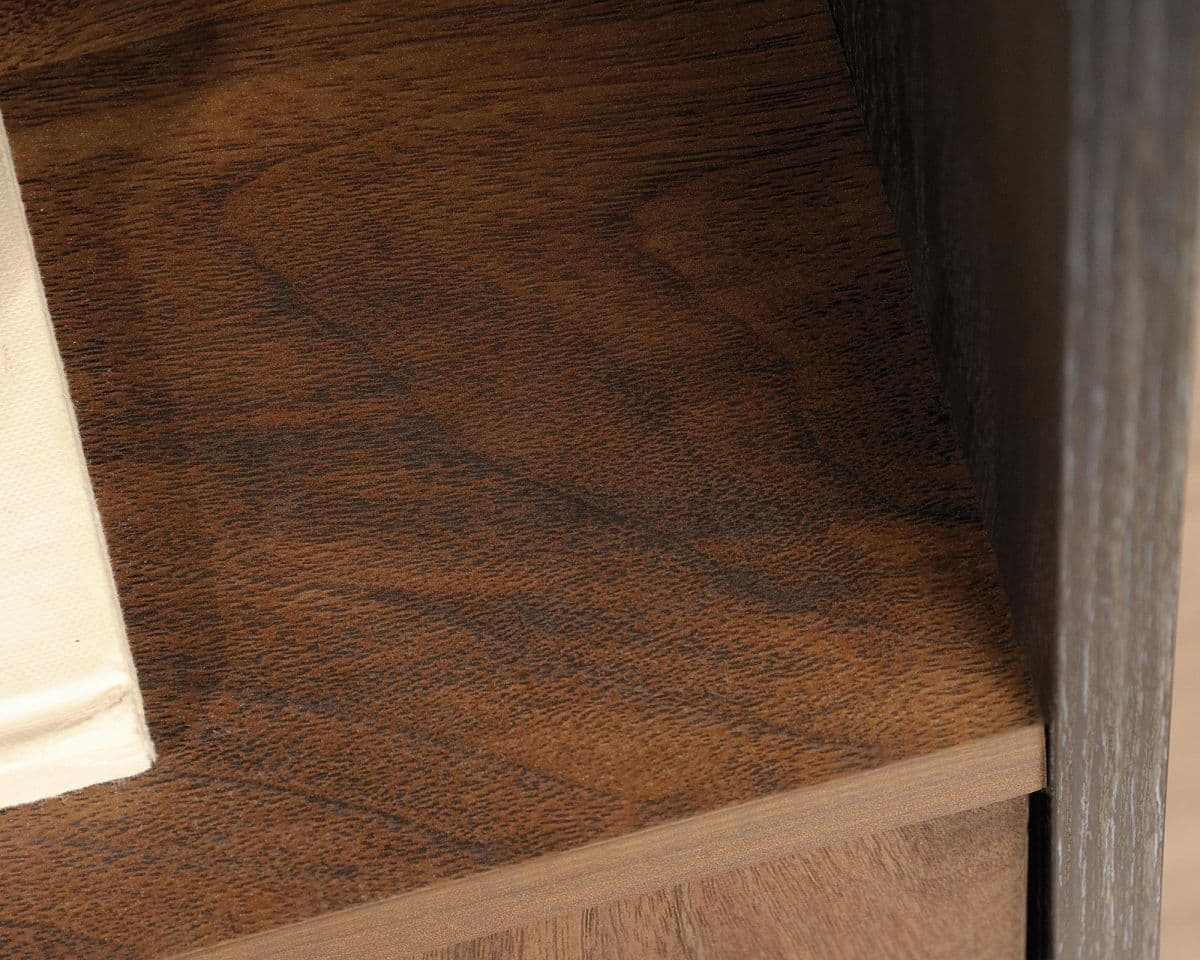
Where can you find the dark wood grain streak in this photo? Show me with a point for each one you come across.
(1042, 164)
(513, 430)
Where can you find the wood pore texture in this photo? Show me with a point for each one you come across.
(944, 889)
(513, 430)
(1042, 163)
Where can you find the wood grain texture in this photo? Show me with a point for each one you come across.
(940, 890)
(957, 779)
(1042, 163)
(513, 430)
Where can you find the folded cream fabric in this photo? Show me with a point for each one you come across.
(70, 710)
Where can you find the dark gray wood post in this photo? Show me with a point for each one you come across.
(1041, 161)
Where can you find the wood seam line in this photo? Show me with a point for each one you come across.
(953, 780)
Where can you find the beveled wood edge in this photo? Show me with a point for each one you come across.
(960, 778)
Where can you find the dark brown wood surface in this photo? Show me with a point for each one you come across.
(512, 428)
(946, 889)
(946, 782)
(1042, 163)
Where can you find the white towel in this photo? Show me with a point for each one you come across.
(70, 709)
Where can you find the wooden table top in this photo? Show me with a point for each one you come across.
(512, 427)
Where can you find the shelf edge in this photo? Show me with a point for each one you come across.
(949, 781)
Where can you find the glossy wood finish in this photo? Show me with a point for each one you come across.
(941, 890)
(1043, 163)
(513, 430)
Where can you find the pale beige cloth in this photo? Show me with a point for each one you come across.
(70, 709)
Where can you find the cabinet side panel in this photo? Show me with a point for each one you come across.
(966, 107)
(1041, 164)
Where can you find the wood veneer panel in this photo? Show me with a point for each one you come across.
(940, 890)
(959, 778)
(1042, 161)
(513, 431)
(1181, 847)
